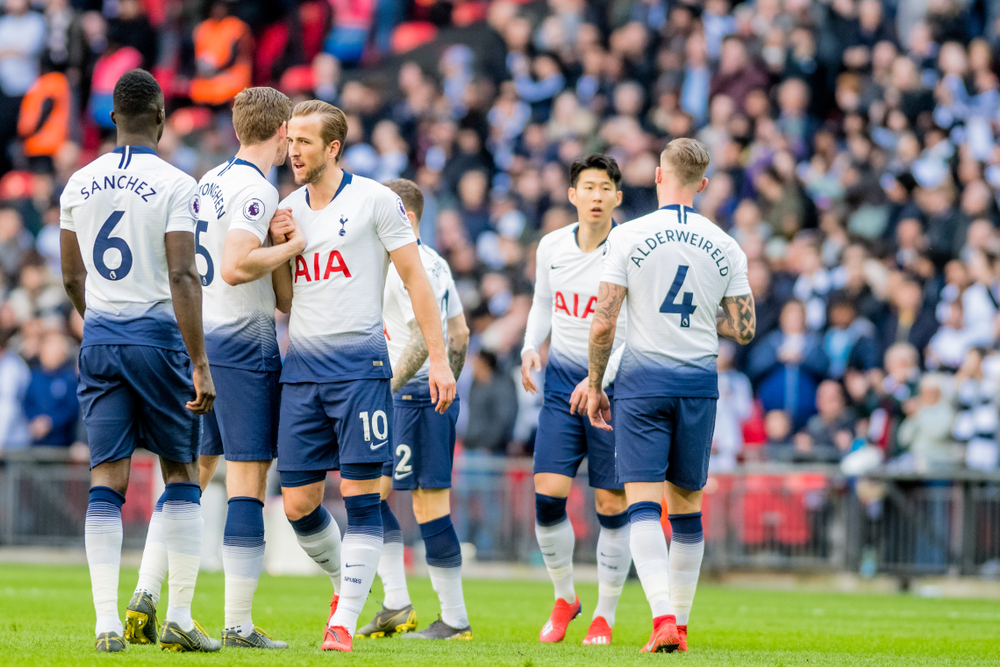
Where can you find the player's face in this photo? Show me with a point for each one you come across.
(595, 196)
(306, 149)
(281, 151)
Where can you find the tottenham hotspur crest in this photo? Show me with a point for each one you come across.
(343, 221)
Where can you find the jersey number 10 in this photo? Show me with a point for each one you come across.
(686, 307)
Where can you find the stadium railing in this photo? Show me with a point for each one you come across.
(756, 518)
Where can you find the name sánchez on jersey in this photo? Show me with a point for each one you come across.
(132, 184)
(690, 238)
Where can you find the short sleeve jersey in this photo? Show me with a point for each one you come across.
(238, 319)
(677, 266)
(397, 312)
(568, 278)
(336, 331)
(120, 206)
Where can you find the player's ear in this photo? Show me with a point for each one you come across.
(704, 184)
(618, 197)
(658, 177)
(335, 150)
(113, 118)
(572, 196)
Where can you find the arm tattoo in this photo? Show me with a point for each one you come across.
(413, 357)
(738, 319)
(456, 356)
(602, 331)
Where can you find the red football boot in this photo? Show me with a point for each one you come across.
(562, 613)
(665, 638)
(337, 639)
(333, 608)
(599, 633)
(682, 630)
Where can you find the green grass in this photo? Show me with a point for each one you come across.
(46, 618)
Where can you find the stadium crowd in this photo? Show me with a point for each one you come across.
(853, 158)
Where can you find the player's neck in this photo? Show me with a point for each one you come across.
(590, 235)
(259, 155)
(322, 192)
(136, 139)
(675, 196)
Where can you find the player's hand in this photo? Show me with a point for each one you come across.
(296, 237)
(281, 224)
(442, 385)
(530, 361)
(204, 391)
(578, 399)
(599, 409)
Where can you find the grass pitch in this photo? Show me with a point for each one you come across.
(46, 618)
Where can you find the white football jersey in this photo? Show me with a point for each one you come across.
(238, 319)
(120, 206)
(566, 282)
(397, 312)
(335, 332)
(677, 266)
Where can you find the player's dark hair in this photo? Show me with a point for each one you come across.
(605, 163)
(409, 192)
(137, 94)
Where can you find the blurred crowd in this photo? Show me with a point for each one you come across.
(854, 158)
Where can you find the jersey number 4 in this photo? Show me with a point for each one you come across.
(105, 242)
(686, 306)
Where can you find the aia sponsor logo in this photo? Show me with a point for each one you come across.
(575, 305)
(310, 268)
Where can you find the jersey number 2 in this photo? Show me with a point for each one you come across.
(105, 242)
(685, 308)
(206, 278)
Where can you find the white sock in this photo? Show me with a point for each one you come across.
(319, 536)
(649, 551)
(447, 583)
(153, 568)
(182, 527)
(359, 558)
(556, 543)
(686, 551)
(392, 571)
(103, 539)
(613, 560)
(242, 558)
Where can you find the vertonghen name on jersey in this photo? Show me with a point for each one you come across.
(677, 236)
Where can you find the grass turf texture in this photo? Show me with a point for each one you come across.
(46, 618)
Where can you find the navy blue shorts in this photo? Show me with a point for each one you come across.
(244, 422)
(664, 438)
(563, 440)
(423, 446)
(134, 396)
(326, 425)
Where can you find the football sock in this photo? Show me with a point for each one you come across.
(319, 536)
(182, 528)
(556, 540)
(153, 568)
(613, 560)
(649, 551)
(359, 557)
(103, 540)
(391, 568)
(444, 564)
(242, 559)
(687, 547)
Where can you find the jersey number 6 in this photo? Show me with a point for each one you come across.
(685, 308)
(105, 242)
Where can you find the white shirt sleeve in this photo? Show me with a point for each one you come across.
(391, 224)
(182, 217)
(540, 315)
(253, 209)
(615, 269)
(66, 208)
(455, 307)
(738, 283)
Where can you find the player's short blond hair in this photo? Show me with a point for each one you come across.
(687, 159)
(409, 192)
(258, 113)
(334, 122)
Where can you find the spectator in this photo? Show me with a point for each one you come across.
(223, 53)
(14, 380)
(829, 433)
(492, 407)
(849, 341)
(736, 76)
(50, 403)
(22, 39)
(924, 436)
(44, 120)
(908, 321)
(976, 423)
(734, 408)
(788, 365)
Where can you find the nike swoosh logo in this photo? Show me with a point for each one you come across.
(556, 268)
(403, 476)
(374, 447)
(606, 555)
(354, 565)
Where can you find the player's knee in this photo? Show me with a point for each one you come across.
(610, 502)
(549, 510)
(430, 504)
(297, 505)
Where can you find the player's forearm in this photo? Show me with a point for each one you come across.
(281, 282)
(425, 309)
(738, 319)
(413, 357)
(185, 292)
(259, 263)
(602, 340)
(456, 355)
(539, 323)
